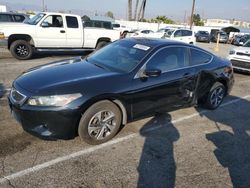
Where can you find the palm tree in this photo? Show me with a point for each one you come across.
(136, 7)
(129, 10)
(142, 10)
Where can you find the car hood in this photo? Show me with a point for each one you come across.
(242, 49)
(14, 25)
(59, 74)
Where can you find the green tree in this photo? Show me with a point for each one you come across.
(197, 20)
(162, 19)
(85, 18)
(110, 14)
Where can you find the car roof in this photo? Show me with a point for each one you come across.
(153, 42)
(13, 13)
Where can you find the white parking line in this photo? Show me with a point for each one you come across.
(95, 148)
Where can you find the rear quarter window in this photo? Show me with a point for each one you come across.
(72, 22)
(5, 18)
(186, 33)
(199, 57)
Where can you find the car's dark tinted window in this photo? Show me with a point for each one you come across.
(107, 25)
(186, 33)
(169, 59)
(178, 33)
(5, 18)
(71, 22)
(199, 57)
(19, 18)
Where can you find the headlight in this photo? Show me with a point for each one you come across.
(231, 52)
(54, 100)
(2, 35)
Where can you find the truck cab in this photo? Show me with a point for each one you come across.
(52, 31)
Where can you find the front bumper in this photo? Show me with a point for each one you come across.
(240, 64)
(47, 124)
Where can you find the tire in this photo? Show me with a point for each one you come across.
(21, 49)
(101, 44)
(91, 131)
(215, 96)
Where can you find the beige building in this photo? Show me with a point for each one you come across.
(226, 23)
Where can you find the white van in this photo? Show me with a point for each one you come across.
(183, 35)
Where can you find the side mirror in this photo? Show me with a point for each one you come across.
(45, 24)
(152, 72)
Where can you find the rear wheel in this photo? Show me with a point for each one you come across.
(21, 49)
(100, 122)
(101, 45)
(215, 96)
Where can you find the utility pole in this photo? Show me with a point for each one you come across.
(43, 5)
(192, 15)
(129, 10)
(143, 10)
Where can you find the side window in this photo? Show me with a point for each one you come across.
(54, 21)
(169, 59)
(72, 22)
(107, 25)
(199, 57)
(98, 24)
(178, 33)
(186, 33)
(19, 18)
(5, 18)
(144, 31)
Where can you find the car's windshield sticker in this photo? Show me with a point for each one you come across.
(141, 47)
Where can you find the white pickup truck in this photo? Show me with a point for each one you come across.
(52, 32)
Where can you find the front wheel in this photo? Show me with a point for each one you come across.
(215, 96)
(100, 122)
(21, 49)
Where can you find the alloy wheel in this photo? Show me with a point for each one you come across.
(102, 125)
(217, 96)
(22, 50)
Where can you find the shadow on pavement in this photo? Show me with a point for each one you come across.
(157, 166)
(2, 90)
(233, 148)
(50, 54)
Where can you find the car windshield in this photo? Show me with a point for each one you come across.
(223, 34)
(121, 56)
(204, 32)
(247, 44)
(162, 30)
(35, 19)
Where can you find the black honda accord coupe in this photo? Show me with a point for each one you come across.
(126, 80)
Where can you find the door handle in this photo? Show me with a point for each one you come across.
(62, 31)
(186, 74)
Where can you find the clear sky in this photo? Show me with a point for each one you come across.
(175, 9)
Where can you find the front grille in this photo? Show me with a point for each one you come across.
(17, 97)
(245, 54)
(241, 64)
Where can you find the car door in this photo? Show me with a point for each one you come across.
(74, 32)
(187, 36)
(51, 32)
(172, 89)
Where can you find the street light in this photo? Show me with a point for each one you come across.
(192, 15)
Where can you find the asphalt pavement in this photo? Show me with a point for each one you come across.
(191, 147)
